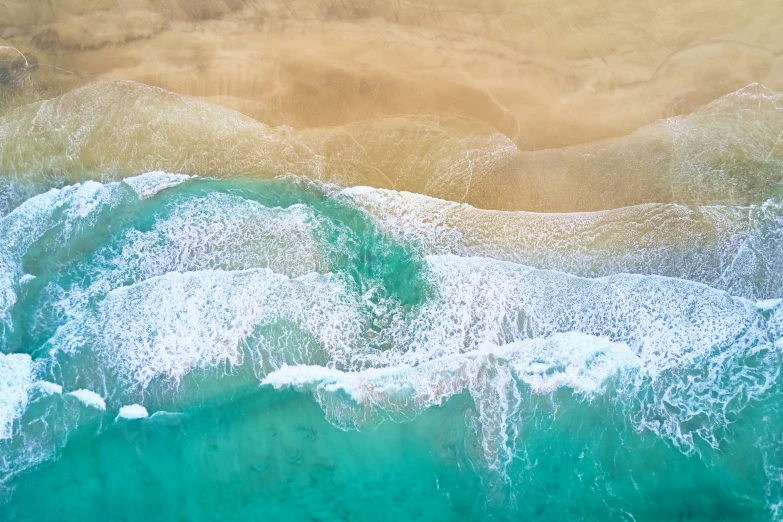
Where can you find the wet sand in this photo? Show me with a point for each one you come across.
(728, 152)
(544, 73)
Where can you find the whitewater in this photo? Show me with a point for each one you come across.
(401, 319)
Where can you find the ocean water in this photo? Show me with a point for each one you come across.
(204, 318)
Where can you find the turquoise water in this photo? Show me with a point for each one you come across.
(267, 454)
(179, 347)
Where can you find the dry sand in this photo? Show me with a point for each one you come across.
(544, 73)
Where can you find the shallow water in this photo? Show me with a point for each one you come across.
(217, 304)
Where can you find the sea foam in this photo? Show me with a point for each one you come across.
(62, 210)
(132, 411)
(363, 399)
(16, 379)
(149, 184)
(733, 248)
(89, 398)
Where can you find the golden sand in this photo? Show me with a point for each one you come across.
(729, 152)
(545, 73)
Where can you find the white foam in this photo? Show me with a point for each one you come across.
(29, 221)
(133, 411)
(26, 279)
(768, 304)
(481, 300)
(363, 399)
(49, 388)
(737, 249)
(217, 231)
(224, 231)
(304, 376)
(89, 398)
(83, 202)
(575, 360)
(148, 184)
(676, 328)
(666, 328)
(164, 413)
(168, 325)
(361, 190)
(16, 379)
(164, 325)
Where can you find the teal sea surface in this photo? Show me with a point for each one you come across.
(180, 345)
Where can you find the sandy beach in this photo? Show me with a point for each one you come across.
(544, 73)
